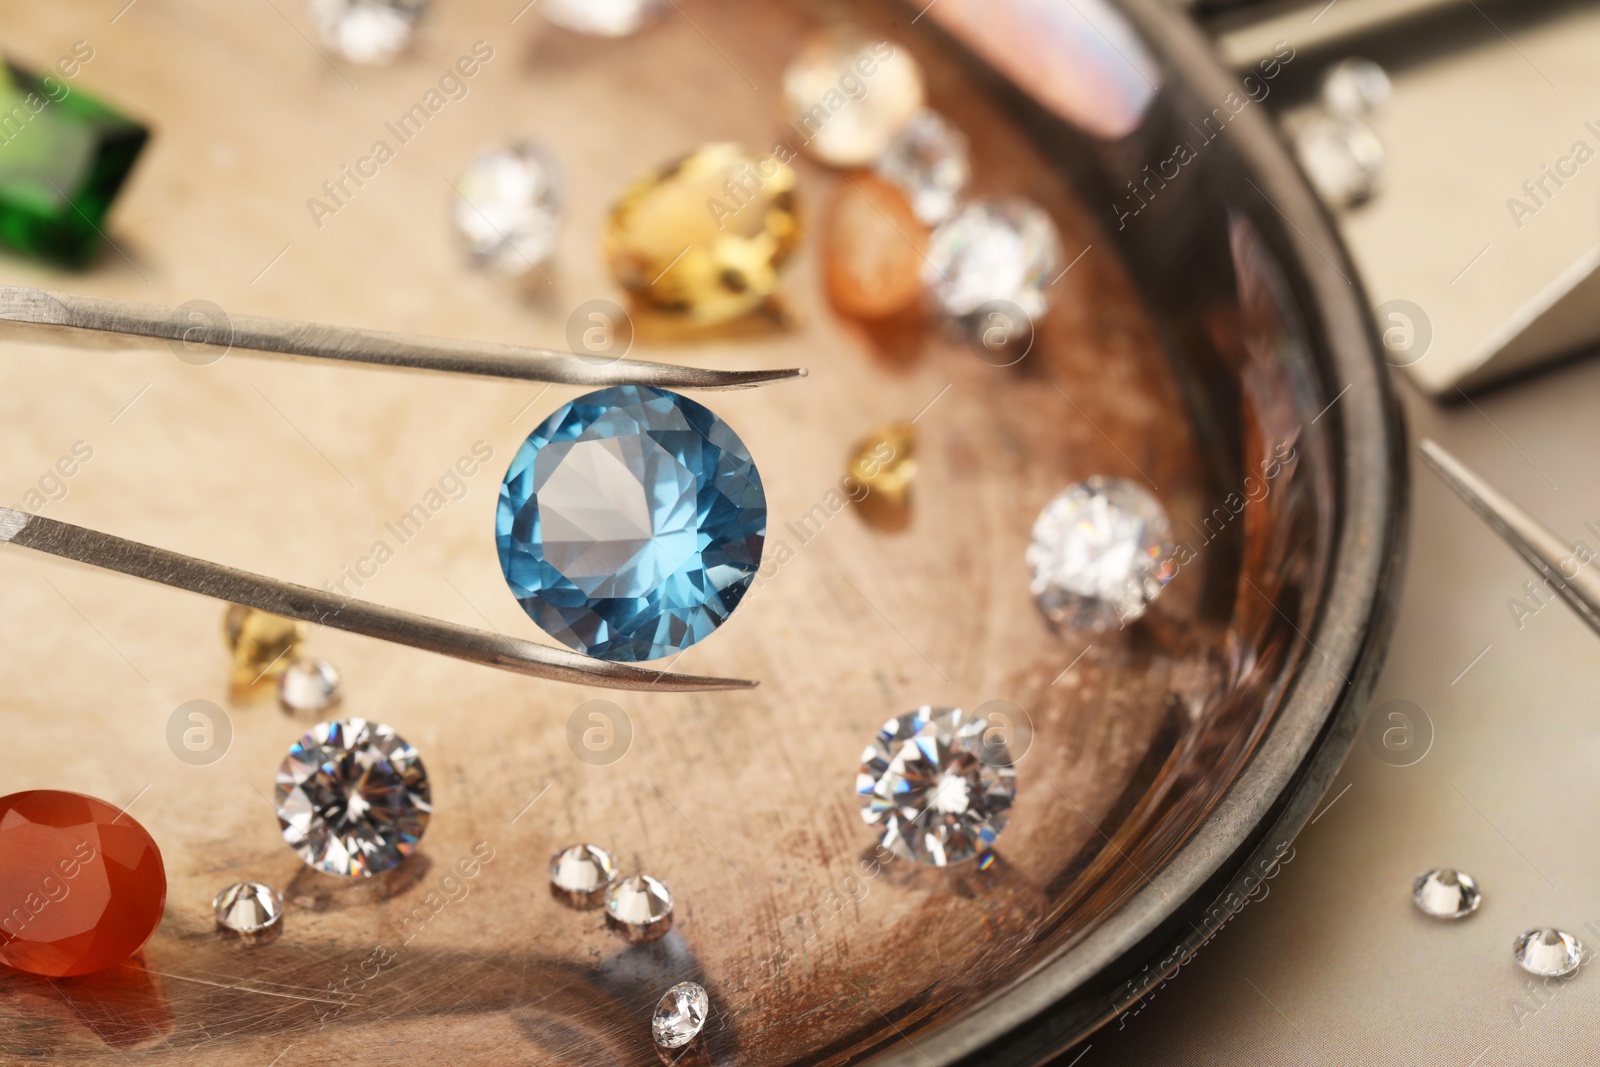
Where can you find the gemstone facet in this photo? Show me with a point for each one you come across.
(602, 18)
(1355, 88)
(631, 523)
(1446, 894)
(368, 31)
(247, 908)
(508, 207)
(938, 783)
(680, 1015)
(263, 644)
(704, 236)
(929, 161)
(352, 798)
(1343, 157)
(639, 908)
(1548, 952)
(1000, 249)
(873, 244)
(1101, 552)
(309, 685)
(82, 884)
(581, 874)
(847, 97)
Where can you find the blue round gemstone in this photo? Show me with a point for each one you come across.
(631, 523)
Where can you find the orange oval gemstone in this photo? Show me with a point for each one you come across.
(81, 883)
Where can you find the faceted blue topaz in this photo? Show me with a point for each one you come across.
(631, 523)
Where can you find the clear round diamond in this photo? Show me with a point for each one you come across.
(580, 875)
(352, 798)
(1446, 894)
(247, 907)
(309, 685)
(680, 1015)
(1548, 952)
(929, 161)
(1000, 249)
(937, 784)
(1355, 87)
(631, 523)
(508, 207)
(639, 908)
(602, 18)
(1101, 552)
(368, 31)
(847, 96)
(1343, 157)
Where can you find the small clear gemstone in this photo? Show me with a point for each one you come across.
(368, 31)
(579, 875)
(602, 18)
(1548, 952)
(929, 161)
(1101, 552)
(1000, 249)
(1355, 87)
(937, 784)
(352, 798)
(1446, 894)
(680, 1015)
(1343, 157)
(846, 97)
(640, 908)
(309, 685)
(508, 207)
(248, 907)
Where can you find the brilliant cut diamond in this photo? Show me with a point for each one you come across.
(680, 1015)
(508, 207)
(248, 907)
(1343, 157)
(1547, 952)
(854, 130)
(352, 798)
(631, 523)
(938, 783)
(368, 31)
(603, 18)
(639, 908)
(580, 874)
(1101, 552)
(1355, 87)
(1001, 249)
(1446, 894)
(309, 685)
(929, 161)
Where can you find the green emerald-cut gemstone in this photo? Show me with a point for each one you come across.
(63, 157)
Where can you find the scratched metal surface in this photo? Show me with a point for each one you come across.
(741, 801)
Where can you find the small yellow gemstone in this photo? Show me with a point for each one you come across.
(704, 236)
(885, 463)
(262, 644)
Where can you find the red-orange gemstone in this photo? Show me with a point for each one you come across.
(81, 883)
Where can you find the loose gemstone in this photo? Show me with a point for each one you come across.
(1343, 157)
(704, 236)
(508, 207)
(82, 885)
(368, 31)
(1355, 88)
(937, 785)
(247, 907)
(929, 161)
(631, 523)
(639, 908)
(873, 244)
(309, 685)
(846, 97)
(1001, 249)
(680, 1015)
(61, 166)
(262, 644)
(1548, 952)
(352, 798)
(602, 18)
(1101, 552)
(580, 875)
(885, 463)
(1446, 894)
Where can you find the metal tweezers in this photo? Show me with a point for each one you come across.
(34, 315)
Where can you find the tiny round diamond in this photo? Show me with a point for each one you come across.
(929, 161)
(368, 31)
(1000, 249)
(846, 97)
(1446, 894)
(1355, 87)
(352, 798)
(580, 875)
(639, 908)
(680, 1015)
(309, 685)
(508, 207)
(938, 784)
(1343, 157)
(1102, 551)
(247, 907)
(1548, 952)
(602, 18)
